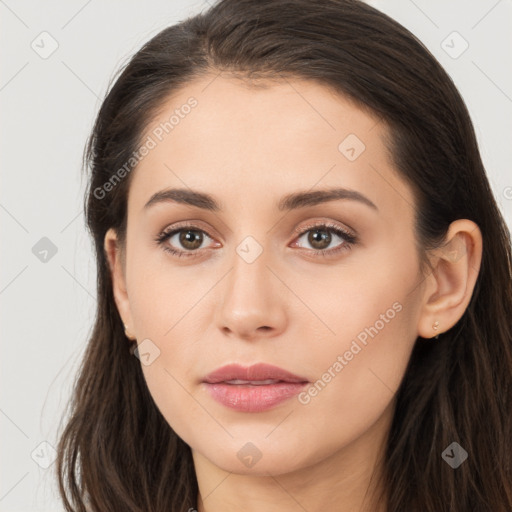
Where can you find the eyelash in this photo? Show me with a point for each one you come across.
(349, 239)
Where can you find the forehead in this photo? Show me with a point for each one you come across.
(224, 135)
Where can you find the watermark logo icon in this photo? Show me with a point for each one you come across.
(351, 147)
(249, 249)
(147, 352)
(44, 455)
(454, 455)
(45, 45)
(249, 454)
(44, 250)
(454, 45)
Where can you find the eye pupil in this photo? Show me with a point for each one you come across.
(319, 236)
(192, 237)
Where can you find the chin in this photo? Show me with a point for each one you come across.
(260, 457)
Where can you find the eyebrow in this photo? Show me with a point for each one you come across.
(293, 201)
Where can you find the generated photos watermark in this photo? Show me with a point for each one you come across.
(151, 142)
(357, 344)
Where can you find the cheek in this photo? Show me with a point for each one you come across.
(356, 379)
(359, 367)
(162, 295)
(167, 305)
(172, 376)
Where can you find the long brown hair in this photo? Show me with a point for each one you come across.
(117, 452)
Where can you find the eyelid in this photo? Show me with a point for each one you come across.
(193, 224)
(299, 230)
(327, 224)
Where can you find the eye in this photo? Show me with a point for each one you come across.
(320, 237)
(184, 240)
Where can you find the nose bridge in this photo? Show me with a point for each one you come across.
(251, 298)
(250, 274)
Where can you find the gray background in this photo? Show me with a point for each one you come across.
(48, 103)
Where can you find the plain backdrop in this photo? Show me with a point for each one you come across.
(58, 59)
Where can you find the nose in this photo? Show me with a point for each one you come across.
(252, 303)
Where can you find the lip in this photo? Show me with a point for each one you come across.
(255, 388)
(256, 372)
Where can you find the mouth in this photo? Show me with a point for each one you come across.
(258, 374)
(255, 388)
(253, 382)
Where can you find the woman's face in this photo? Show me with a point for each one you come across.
(259, 279)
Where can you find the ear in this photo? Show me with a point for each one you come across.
(116, 262)
(449, 286)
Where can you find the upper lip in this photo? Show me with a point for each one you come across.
(257, 372)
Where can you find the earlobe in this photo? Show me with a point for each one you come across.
(450, 284)
(113, 253)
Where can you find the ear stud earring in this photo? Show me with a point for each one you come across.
(435, 326)
(127, 333)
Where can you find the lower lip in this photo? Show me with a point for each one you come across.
(247, 398)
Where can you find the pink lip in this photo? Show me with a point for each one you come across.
(252, 396)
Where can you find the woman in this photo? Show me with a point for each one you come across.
(304, 279)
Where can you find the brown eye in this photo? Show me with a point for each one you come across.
(191, 239)
(320, 237)
(182, 241)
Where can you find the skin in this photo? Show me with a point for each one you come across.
(248, 147)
